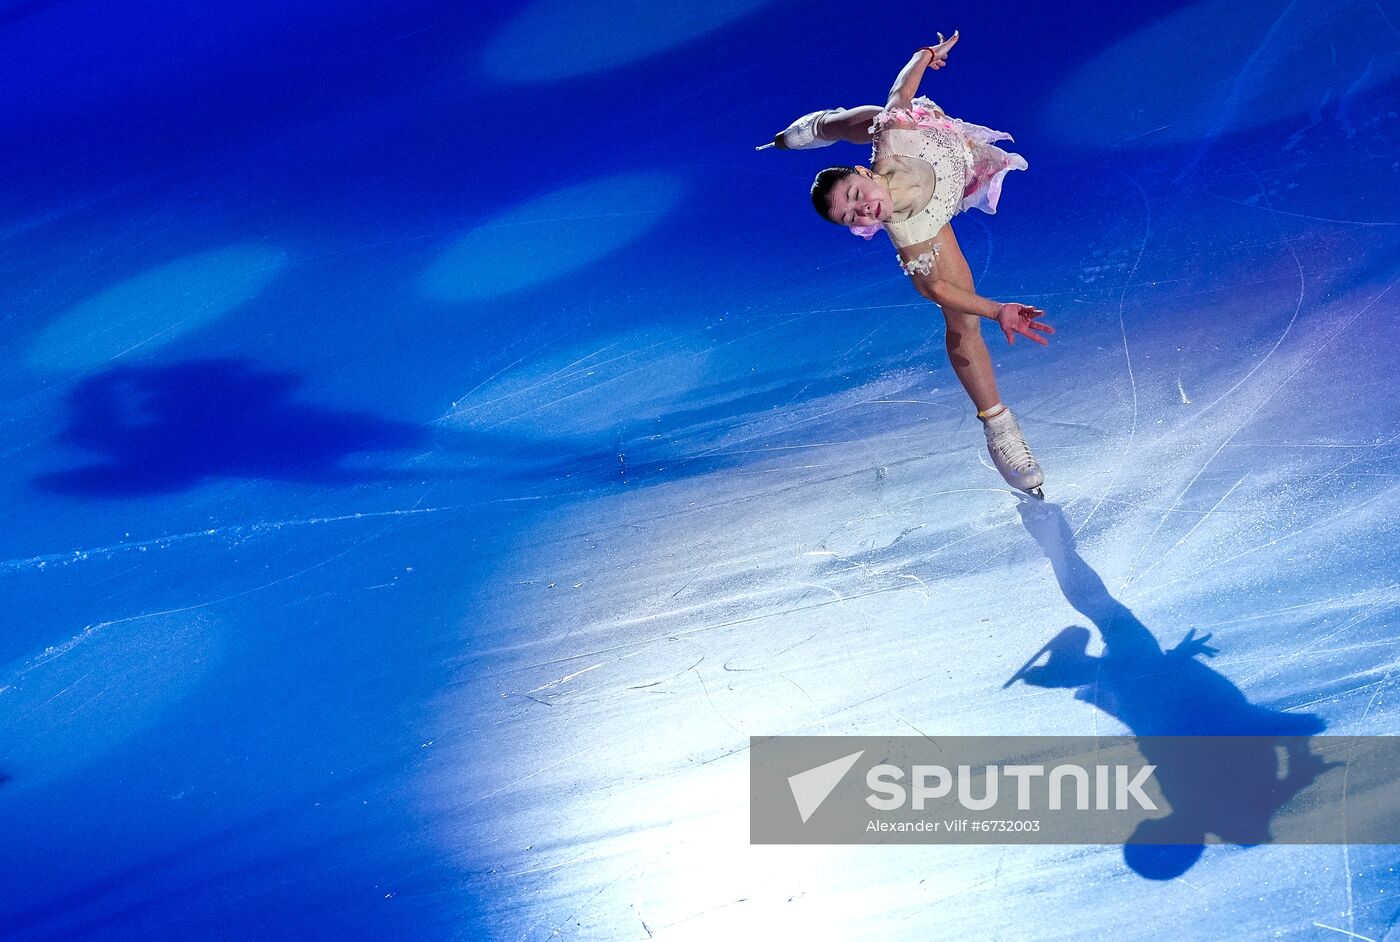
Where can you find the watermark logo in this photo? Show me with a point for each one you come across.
(1183, 791)
(814, 786)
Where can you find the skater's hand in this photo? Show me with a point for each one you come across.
(1020, 319)
(940, 51)
(1191, 646)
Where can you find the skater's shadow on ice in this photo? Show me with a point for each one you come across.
(167, 429)
(1231, 791)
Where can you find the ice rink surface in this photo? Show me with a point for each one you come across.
(436, 441)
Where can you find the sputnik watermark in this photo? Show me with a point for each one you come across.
(889, 794)
(1075, 790)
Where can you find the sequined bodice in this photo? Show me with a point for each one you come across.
(942, 148)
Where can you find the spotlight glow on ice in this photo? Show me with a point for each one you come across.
(553, 39)
(156, 307)
(1229, 67)
(556, 234)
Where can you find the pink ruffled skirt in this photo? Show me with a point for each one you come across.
(986, 163)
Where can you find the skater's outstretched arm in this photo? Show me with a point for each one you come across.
(943, 279)
(821, 128)
(906, 85)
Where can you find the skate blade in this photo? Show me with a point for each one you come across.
(1036, 492)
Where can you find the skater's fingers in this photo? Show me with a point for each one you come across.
(1010, 337)
(1037, 325)
(1025, 331)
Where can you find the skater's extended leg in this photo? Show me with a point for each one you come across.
(848, 124)
(853, 124)
(822, 128)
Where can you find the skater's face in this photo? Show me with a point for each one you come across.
(860, 199)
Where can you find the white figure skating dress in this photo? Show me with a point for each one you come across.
(968, 169)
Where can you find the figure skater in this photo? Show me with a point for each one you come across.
(925, 169)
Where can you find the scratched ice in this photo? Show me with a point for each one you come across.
(423, 477)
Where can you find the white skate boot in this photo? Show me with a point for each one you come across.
(1011, 455)
(801, 134)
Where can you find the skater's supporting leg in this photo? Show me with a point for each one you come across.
(972, 361)
(967, 351)
(948, 282)
(1126, 637)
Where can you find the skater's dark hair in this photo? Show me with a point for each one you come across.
(822, 186)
